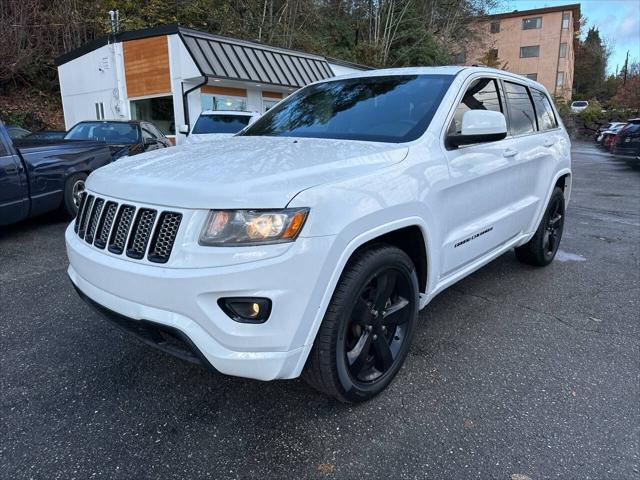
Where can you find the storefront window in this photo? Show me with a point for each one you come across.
(222, 102)
(158, 110)
(267, 103)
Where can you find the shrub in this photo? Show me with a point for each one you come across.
(592, 113)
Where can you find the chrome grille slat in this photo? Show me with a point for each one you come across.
(94, 217)
(164, 237)
(141, 233)
(104, 227)
(85, 214)
(121, 229)
(126, 229)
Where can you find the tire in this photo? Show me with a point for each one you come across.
(73, 187)
(543, 246)
(349, 360)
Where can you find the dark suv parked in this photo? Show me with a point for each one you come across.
(628, 140)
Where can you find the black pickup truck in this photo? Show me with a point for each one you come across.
(39, 176)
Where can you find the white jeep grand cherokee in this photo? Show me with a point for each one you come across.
(307, 244)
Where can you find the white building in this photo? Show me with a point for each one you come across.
(169, 74)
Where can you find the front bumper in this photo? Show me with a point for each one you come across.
(183, 303)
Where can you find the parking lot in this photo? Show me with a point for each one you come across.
(515, 373)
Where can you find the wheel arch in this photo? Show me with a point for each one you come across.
(411, 241)
(561, 179)
(393, 231)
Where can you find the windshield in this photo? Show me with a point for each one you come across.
(221, 123)
(112, 133)
(579, 104)
(394, 109)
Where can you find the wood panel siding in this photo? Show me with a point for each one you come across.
(234, 92)
(277, 95)
(146, 66)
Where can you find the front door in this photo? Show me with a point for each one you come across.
(14, 196)
(485, 202)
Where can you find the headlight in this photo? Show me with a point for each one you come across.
(233, 228)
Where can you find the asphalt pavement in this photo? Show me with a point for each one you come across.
(516, 373)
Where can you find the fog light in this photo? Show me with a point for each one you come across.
(246, 309)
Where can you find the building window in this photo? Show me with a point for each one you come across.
(532, 76)
(560, 79)
(460, 58)
(268, 103)
(531, 23)
(157, 110)
(532, 51)
(269, 99)
(566, 16)
(563, 50)
(99, 111)
(495, 27)
(223, 102)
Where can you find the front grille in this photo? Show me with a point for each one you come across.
(141, 233)
(164, 236)
(80, 210)
(121, 229)
(106, 222)
(127, 229)
(86, 211)
(94, 216)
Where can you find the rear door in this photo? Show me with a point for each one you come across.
(537, 140)
(14, 193)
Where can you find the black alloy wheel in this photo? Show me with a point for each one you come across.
(555, 223)
(378, 326)
(367, 329)
(543, 246)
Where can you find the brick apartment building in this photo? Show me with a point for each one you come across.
(535, 43)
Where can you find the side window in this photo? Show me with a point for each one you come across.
(147, 134)
(482, 94)
(155, 130)
(3, 149)
(544, 111)
(522, 118)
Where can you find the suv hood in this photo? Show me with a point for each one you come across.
(207, 137)
(239, 172)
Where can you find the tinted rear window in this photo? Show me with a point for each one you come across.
(221, 123)
(394, 109)
(544, 112)
(112, 133)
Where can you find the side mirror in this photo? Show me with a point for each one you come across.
(184, 129)
(150, 141)
(479, 126)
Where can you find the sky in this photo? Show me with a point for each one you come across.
(617, 20)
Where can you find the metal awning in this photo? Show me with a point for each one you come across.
(222, 57)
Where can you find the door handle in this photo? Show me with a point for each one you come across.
(509, 152)
(549, 143)
(11, 170)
